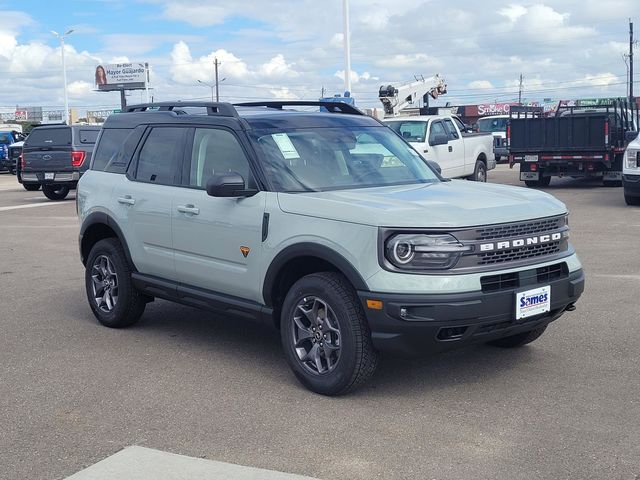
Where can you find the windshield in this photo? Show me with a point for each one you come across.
(319, 159)
(492, 124)
(411, 131)
(6, 138)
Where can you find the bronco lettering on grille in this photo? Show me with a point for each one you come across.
(520, 242)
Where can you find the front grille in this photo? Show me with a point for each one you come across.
(552, 272)
(520, 229)
(523, 253)
(495, 283)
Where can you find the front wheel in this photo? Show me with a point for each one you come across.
(31, 187)
(325, 335)
(55, 192)
(479, 172)
(519, 339)
(629, 200)
(112, 297)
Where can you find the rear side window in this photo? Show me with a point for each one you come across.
(161, 156)
(105, 158)
(48, 137)
(88, 136)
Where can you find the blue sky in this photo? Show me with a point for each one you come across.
(291, 49)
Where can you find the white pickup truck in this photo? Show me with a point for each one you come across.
(444, 140)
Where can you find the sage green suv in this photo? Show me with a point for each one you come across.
(325, 224)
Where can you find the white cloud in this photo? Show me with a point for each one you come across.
(417, 61)
(187, 70)
(277, 67)
(355, 77)
(283, 94)
(513, 12)
(480, 84)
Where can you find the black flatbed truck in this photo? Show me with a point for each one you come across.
(576, 142)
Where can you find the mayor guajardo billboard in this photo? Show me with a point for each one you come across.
(121, 76)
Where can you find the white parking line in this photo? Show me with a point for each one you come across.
(30, 205)
(144, 463)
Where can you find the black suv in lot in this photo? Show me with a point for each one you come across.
(55, 157)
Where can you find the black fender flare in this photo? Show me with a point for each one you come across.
(101, 218)
(307, 249)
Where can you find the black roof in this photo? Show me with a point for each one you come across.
(254, 115)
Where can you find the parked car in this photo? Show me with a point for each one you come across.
(15, 153)
(496, 125)
(264, 213)
(8, 138)
(444, 140)
(576, 142)
(55, 157)
(631, 171)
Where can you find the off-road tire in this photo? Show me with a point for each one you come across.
(519, 339)
(130, 304)
(31, 187)
(54, 192)
(358, 359)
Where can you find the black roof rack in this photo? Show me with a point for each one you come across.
(222, 109)
(332, 107)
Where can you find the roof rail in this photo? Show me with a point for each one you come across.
(222, 109)
(332, 107)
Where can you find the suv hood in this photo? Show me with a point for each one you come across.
(458, 203)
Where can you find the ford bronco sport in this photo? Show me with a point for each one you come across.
(327, 225)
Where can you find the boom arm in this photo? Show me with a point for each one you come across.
(395, 99)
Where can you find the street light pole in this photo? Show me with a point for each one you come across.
(64, 72)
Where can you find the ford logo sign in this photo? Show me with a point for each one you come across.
(46, 157)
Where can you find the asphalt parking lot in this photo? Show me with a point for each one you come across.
(185, 381)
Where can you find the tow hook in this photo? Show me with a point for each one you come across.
(570, 308)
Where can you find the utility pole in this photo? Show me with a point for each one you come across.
(347, 46)
(630, 60)
(64, 72)
(520, 92)
(215, 65)
(322, 92)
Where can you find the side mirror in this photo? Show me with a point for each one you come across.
(228, 185)
(630, 136)
(439, 139)
(435, 166)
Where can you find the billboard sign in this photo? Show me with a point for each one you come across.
(121, 76)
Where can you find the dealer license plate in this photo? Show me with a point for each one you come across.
(529, 175)
(533, 302)
(49, 176)
(531, 158)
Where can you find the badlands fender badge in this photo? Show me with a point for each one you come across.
(245, 251)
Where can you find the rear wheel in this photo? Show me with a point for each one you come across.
(612, 183)
(325, 336)
(519, 339)
(479, 172)
(112, 297)
(540, 183)
(31, 187)
(632, 200)
(55, 192)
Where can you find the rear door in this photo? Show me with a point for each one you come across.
(47, 151)
(143, 200)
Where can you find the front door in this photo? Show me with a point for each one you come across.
(442, 154)
(217, 241)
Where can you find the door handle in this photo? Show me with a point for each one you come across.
(190, 209)
(126, 200)
(450, 148)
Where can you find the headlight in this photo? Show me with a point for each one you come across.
(423, 252)
(631, 158)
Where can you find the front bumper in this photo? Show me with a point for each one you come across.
(631, 185)
(438, 322)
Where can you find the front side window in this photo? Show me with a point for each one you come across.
(161, 155)
(320, 159)
(216, 152)
(436, 129)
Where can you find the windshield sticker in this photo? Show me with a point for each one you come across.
(285, 145)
